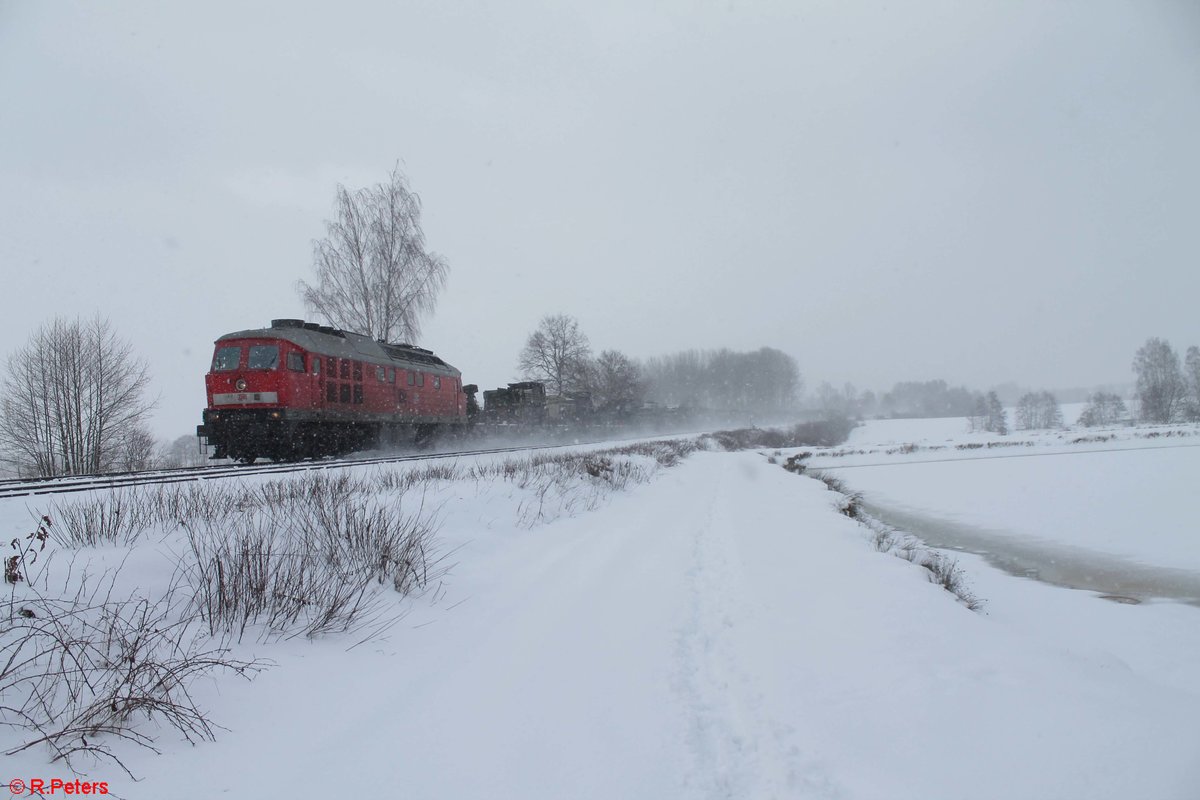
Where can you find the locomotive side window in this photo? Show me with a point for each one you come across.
(358, 394)
(331, 367)
(295, 362)
(358, 370)
(420, 379)
(226, 359)
(331, 393)
(437, 382)
(316, 365)
(345, 372)
(345, 393)
(379, 374)
(263, 356)
(391, 375)
(412, 380)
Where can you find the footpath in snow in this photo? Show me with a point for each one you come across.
(718, 632)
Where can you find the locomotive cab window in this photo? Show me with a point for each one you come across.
(420, 379)
(295, 362)
(316, 365)
(379, 374)
(437, 382)
(226, 359)
(412, 379)
(345, 370)
(391, 375)
(263, 356)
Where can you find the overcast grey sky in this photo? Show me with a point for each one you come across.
(977, 191)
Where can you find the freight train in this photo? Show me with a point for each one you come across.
(302, 390)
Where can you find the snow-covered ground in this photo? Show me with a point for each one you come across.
(717, 631)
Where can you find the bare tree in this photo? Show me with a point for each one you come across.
(616, 381)
(837, 403)
(73, 400)
(557, 353)
(1191, 377)
(374, 275)
(183, 451)
(988, 415)
(997, 420)
(141, 451)
(1160, 388)
(1103, 409)
(1038, 410)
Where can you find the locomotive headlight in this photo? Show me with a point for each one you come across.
(240, 385)
(276, 415)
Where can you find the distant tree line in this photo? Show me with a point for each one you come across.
(928, 399)
(759, 381)
(558, 353)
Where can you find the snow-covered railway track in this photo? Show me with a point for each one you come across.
(25, 487)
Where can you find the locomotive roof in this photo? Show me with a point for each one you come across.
(344, 344)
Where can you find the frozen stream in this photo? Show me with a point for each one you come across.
(1114, 577)
(1117, 523)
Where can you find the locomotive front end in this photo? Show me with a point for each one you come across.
(247, 395)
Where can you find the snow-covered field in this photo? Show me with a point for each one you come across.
(718, 629)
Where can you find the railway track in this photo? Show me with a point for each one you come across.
(28, 487)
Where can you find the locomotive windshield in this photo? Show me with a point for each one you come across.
(263, 356)
(226, 359)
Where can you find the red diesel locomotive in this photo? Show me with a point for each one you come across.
(302, 390)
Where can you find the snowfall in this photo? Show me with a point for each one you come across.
(722, 630)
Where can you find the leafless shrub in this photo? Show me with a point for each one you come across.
(118, 517)
(562, 483)
(851, 505)
(77, 671)
(667, 452)
(832, 482)
(404, 480)
(946, 572)
(313, 569)
(1092, 439)
(26, 551)
(795, 463)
